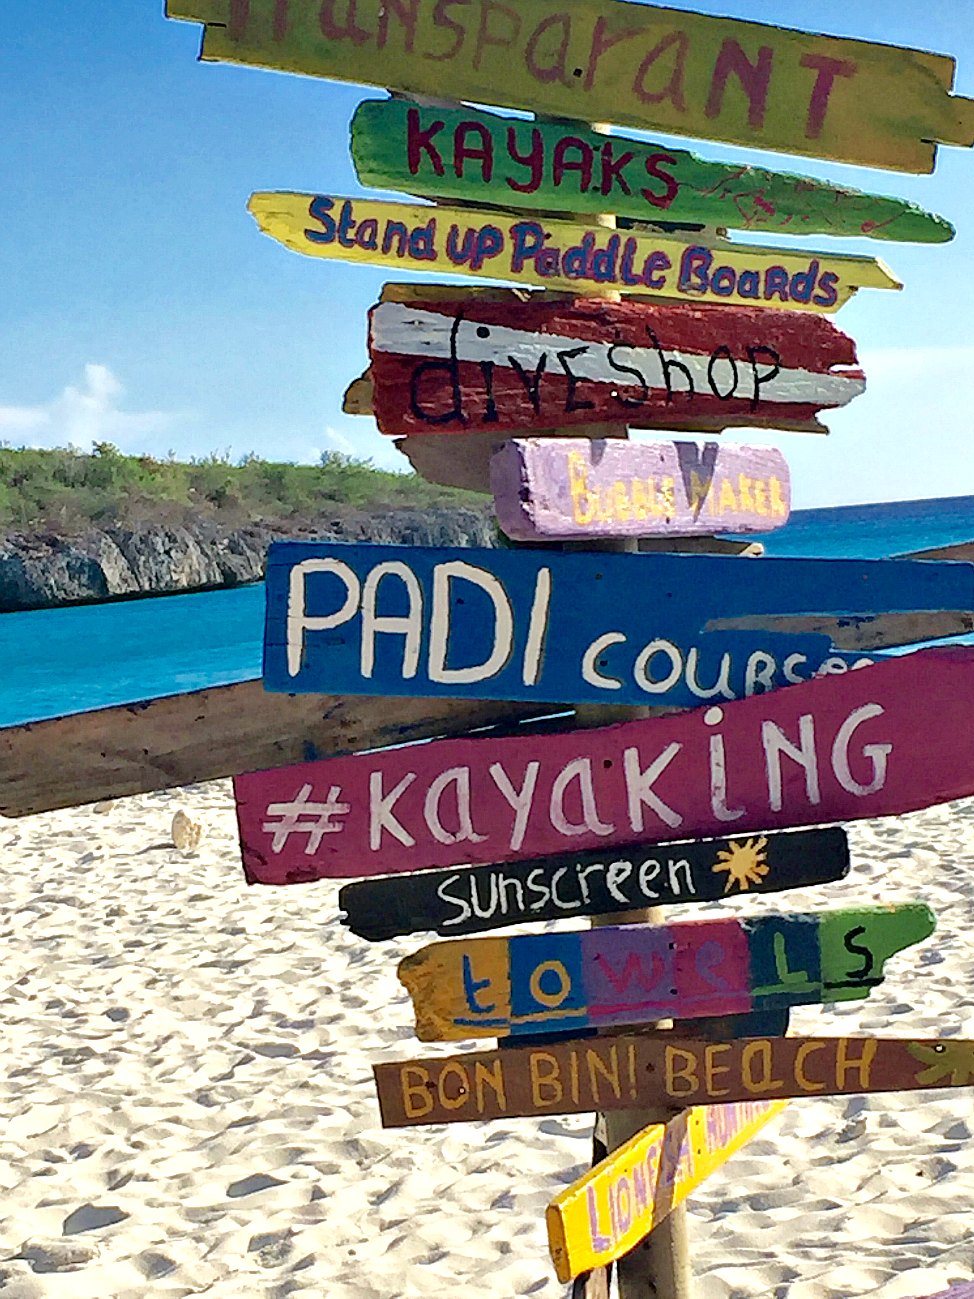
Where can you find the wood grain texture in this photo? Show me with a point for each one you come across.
(616, 1073)
(557, 489)
(572, 885)
(207, 735)
(478, 157)
(606, 1213)
(653, 68)
(556, 254)
(463, 460)
(460, 366)
(553, 983)
(891, 738)
(553, 627)
(886, 631)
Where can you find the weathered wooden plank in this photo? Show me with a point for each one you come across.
(653, 68)
(571, 885)
(862, 634)
(891, 738)
(463, 460)
(459, 366)
(556, 254)
(963, 550)
(606, 1213)
(207, 735)
(370, 619)
(477, 157)
(558, 489)
(537, 984)
(616, 1073)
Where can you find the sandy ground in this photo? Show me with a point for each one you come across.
(188, 1105)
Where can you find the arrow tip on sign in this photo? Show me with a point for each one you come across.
(962, 132)
(197, 11)
(882, 277)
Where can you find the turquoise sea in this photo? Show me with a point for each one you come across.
(60, 661)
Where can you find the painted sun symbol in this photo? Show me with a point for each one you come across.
(745, 863)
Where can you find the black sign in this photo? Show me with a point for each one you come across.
(469, 901)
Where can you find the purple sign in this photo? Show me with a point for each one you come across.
(548, 489)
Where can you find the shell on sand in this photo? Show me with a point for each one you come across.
(186, 833)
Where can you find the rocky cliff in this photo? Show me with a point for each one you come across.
(40, 570)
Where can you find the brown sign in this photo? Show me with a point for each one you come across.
(625, 1073)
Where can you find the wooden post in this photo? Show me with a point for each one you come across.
(660, 1267)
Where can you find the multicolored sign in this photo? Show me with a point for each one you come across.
(888, 739)
(644, 1071)
(567, 489)
(572, 885)
(555, 254)
(533, 984)
(611, 1209)
(478, 157)
(473, 365)
(654, 68)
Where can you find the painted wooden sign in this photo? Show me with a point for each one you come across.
(479, 157)
(639, 1072)
(592, 884)
(610, 1210)
(534, 984)
(560, 489)
(891, 738)
(394, 620)
(555, 254)
(654, 68)
(211, 734)
(467, 366)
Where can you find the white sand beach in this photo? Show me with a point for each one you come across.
(189, 1110)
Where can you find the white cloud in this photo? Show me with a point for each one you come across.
(339, 442)
(81, 415)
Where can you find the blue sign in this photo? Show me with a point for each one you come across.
(568, 628)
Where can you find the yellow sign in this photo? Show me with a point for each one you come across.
(639, 65)
(562, 254)
(609, 1211)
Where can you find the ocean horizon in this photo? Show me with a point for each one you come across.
(84, 657)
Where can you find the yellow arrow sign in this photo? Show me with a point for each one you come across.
(639, 65)
(609, 1211)
(562, 254)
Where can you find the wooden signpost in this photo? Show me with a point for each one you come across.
(654, 68)
(477, 157)
(606, 1213)
(572, 885)
(618, 1073)
(892, 738)
(608, 822)
(480, 366)
(537, 984)
(556, 254)
(389, 620)
(562, 489)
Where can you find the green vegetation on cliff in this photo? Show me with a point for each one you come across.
(66, 490)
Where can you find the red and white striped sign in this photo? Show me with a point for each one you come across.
(469, 364)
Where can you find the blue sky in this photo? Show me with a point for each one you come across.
(140, 305)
